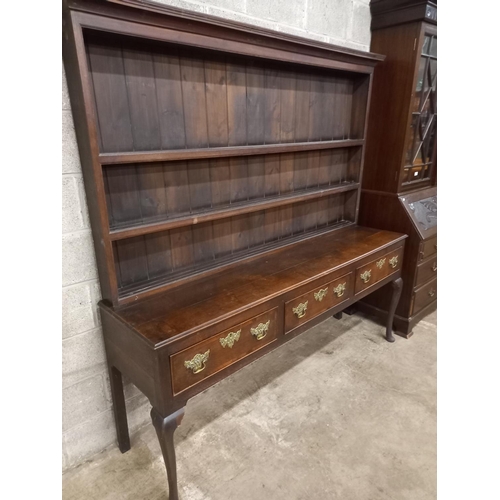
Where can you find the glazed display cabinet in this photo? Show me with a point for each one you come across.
(399, 181)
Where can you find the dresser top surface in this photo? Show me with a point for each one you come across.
(211, 299)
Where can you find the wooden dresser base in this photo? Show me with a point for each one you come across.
(177, 344)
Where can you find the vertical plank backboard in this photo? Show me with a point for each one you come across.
(236, 102)
(111, 100)
(216, 93)
(141, 93)
(194, 100)
(169, 98)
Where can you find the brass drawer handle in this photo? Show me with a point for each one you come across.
(320, 295)
(340, 289)
(380, 263)
(434, 267)
(231, 338)
(301, 309)
(432, 293)
(260, 331)
(366, 276)
(393, 262)
(198, 363)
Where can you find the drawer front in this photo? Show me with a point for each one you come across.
(426, 271)
(206, 358)
(424, 296)
(428, 248)
(309, 305)
(378, 269)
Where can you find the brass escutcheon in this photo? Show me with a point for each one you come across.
(300, 310)
(339, 289)
(231, 338)
(393, 262)
(260, 331)
(435, 267)
(319, 295)
(366, 276)
(432, 293)
(197, 364)
(380, 263)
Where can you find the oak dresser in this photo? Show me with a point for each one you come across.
(222, 165)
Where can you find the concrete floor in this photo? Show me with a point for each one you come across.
(337, 413)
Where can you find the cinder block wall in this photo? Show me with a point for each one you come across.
(87, 416)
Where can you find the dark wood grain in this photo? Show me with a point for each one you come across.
(288, 119)
(316, 107)
(272, 106)
(159, 254)
(152, 191)
(141, 94)
(270, 275)
(236, 103)
(192, 154)
(122, 193)
(119, 408)
(199, 185)
(223, 245)
(169, 98)
(182, 247)
(255, 103)
(217, 102)
(194, 101)
(132, 260)
(286, 179)
(302, 95)
(165, 428)
(256, 177)
(148, 227)
(110, 88)
(220, 182)
(226, 186)
(203, 250)
(177, 189)
(239, 179)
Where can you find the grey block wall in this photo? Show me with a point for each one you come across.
(87, 416)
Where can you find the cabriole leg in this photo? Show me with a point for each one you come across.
(397, 286)
(119, 409)
(165, 428)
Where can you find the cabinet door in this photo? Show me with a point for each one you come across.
(421, 146)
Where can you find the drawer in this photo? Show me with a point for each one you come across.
(428, 248)
(424, 296)
(309, 305)
(378, 269)
(426, 271)
(196, 363)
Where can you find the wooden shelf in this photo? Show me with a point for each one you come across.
(147, 287)
(221, 152)
(235, 209)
